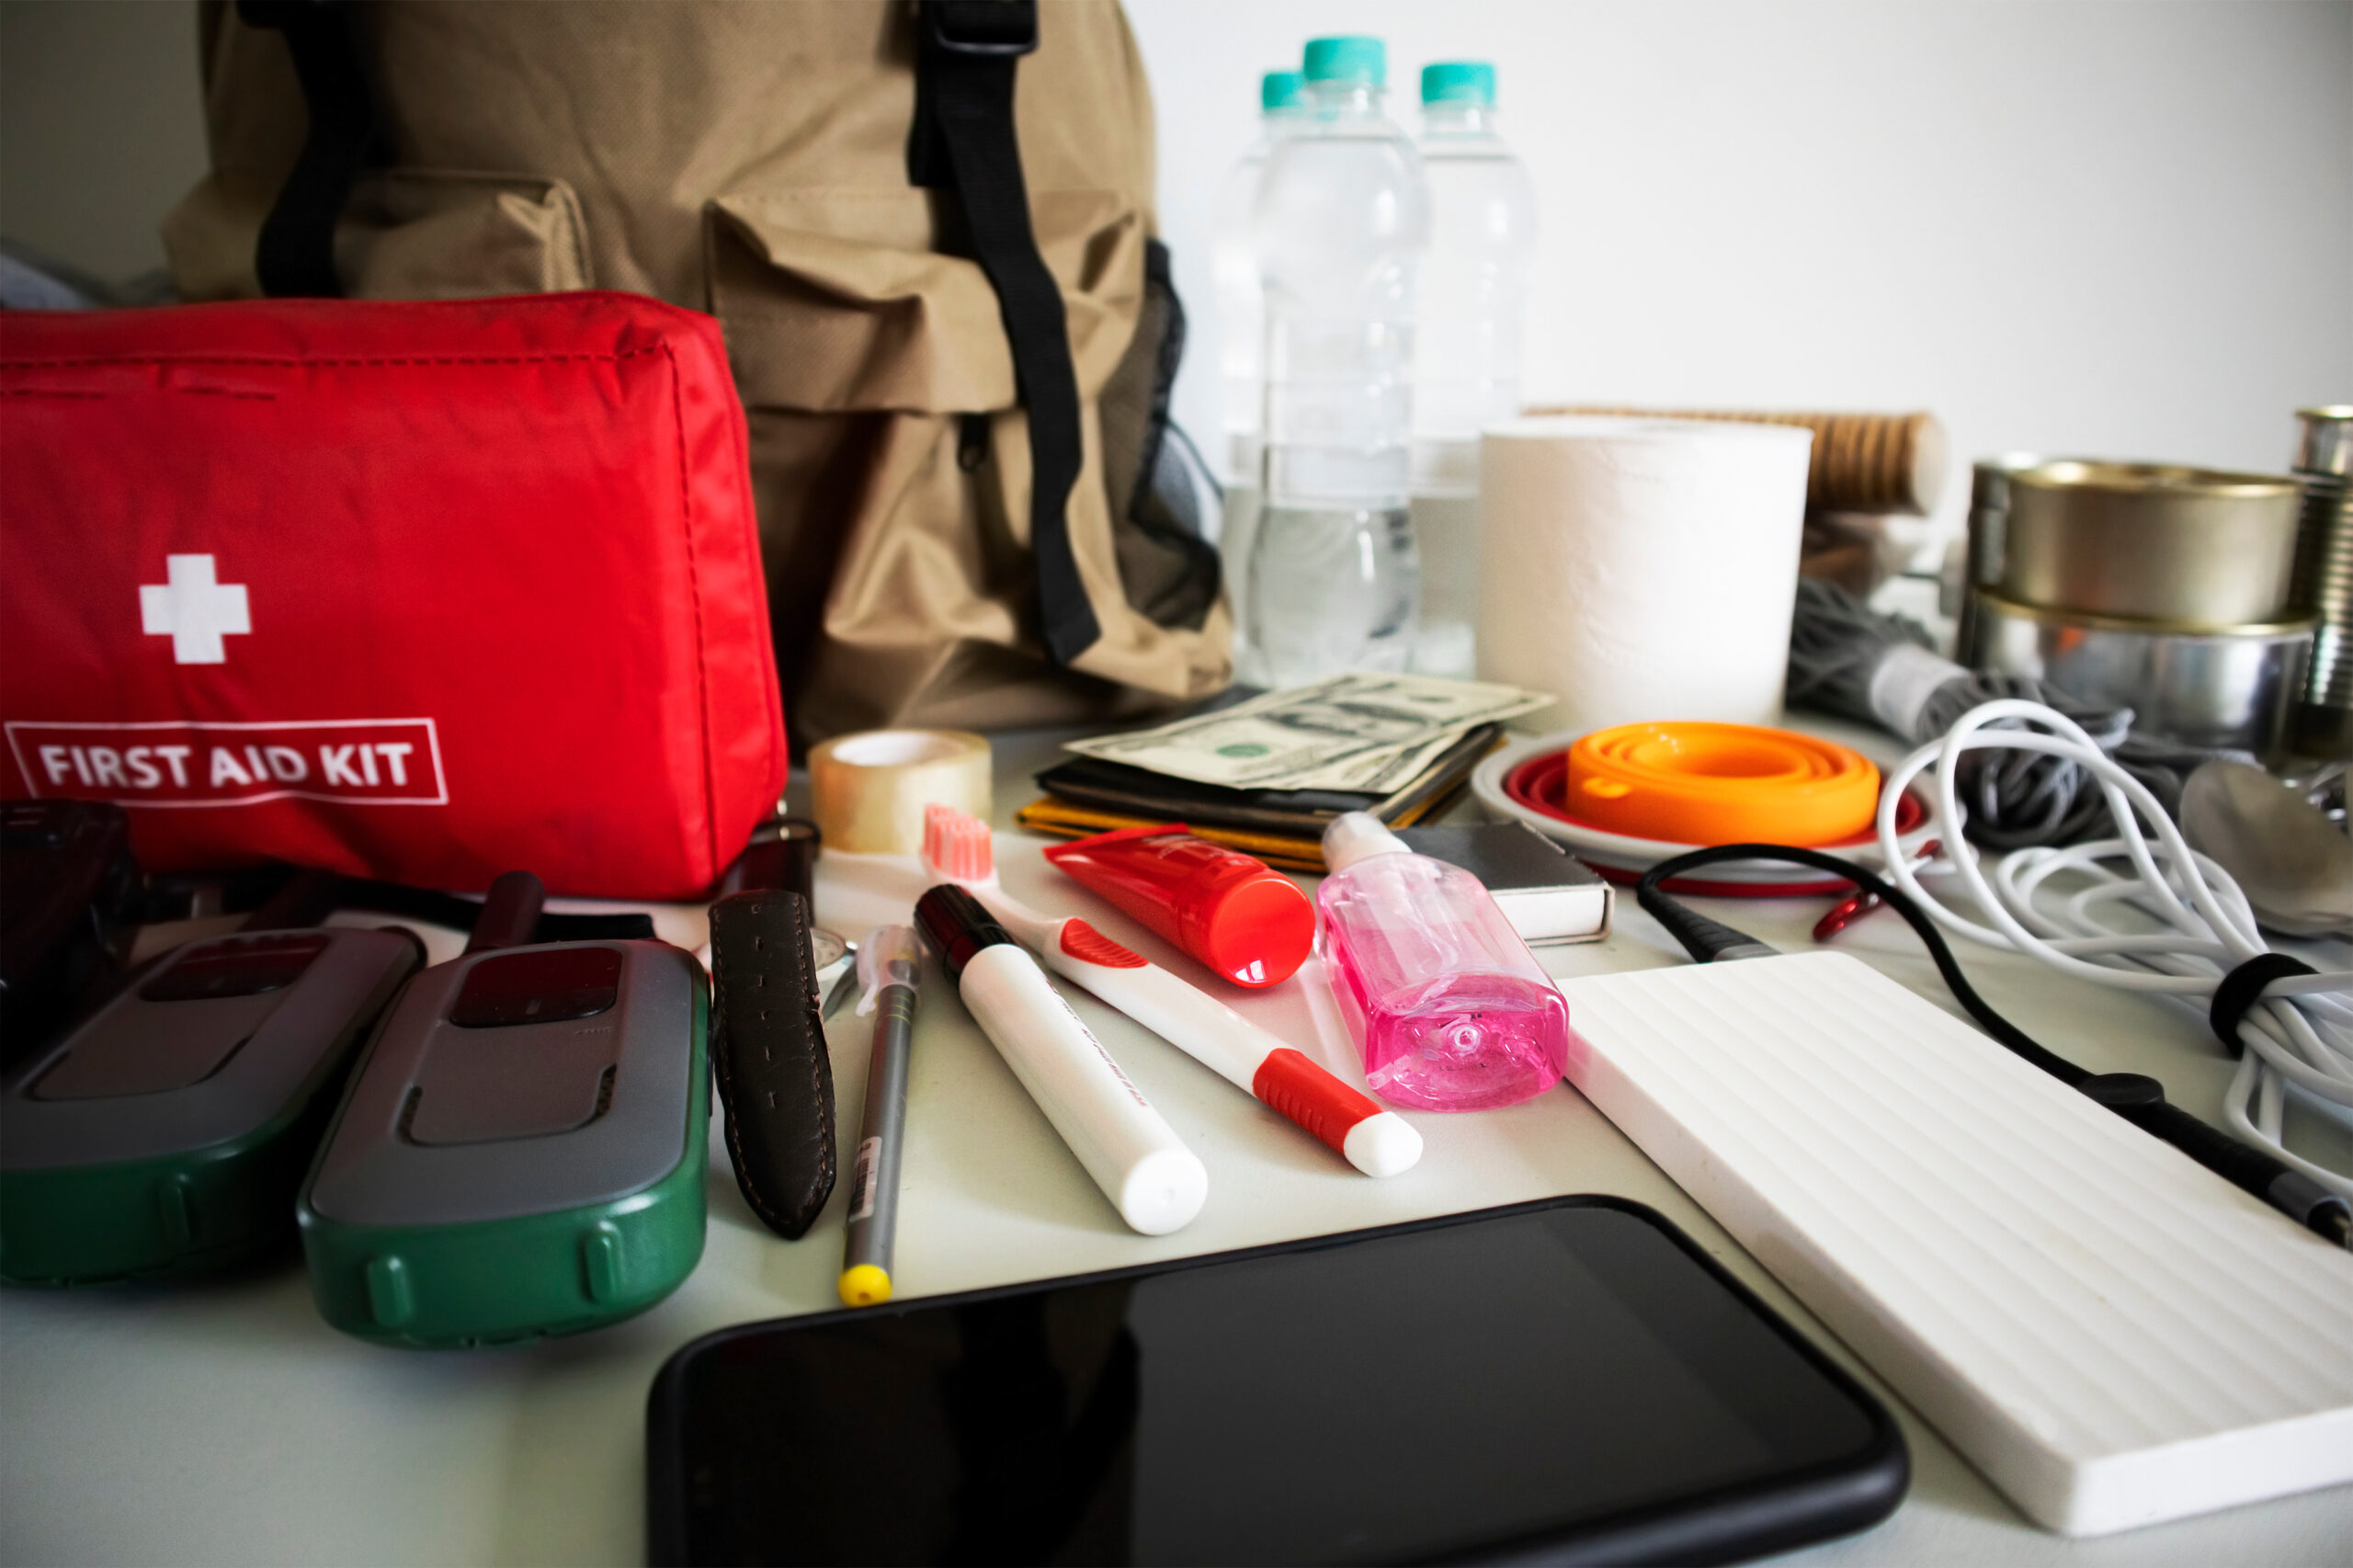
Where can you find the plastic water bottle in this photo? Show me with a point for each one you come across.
(1242, 328)
(1342, 218)
(1467, 337)
(1242, 318)
(1450, 1009)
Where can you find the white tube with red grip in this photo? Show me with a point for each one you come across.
(1377, 1142)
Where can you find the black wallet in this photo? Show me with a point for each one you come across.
(767, 1053)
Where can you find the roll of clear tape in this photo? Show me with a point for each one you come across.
(872, 788)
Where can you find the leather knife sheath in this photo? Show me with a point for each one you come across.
(767, 1053)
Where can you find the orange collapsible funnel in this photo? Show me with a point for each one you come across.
(1689, 783)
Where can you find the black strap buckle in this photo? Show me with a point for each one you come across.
(987, 29)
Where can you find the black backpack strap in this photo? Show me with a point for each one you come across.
(963, 140)
(296, 252)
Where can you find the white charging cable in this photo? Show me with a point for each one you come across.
(2140, 912)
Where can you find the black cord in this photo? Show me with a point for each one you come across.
(2140, 1099)
(1668, 911)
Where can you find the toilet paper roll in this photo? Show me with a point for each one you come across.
(870, 789)
(1640, 569)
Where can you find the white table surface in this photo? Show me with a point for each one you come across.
(222, 1422)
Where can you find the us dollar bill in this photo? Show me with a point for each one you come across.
(1369, 733)
(1384, 772)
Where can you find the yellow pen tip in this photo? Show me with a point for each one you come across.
(865, 1285)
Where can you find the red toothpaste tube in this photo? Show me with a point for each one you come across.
(1249, 923)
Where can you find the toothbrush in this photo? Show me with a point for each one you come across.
(957, 849)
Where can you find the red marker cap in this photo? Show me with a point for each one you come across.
(1244, 919)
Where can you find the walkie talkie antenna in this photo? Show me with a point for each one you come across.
(305, 898)
(510, 915)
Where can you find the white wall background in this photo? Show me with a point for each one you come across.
(2114, 229)
(2120, 230)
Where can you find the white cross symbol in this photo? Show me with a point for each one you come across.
(193, 610)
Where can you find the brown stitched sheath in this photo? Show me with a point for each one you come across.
(1861, 463)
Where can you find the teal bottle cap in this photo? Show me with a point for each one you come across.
(1346, 60)
(1281, 89)
(1458, 82)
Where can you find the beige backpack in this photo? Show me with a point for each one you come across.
(930, 248)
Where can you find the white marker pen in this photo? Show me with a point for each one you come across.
(1156, 1183)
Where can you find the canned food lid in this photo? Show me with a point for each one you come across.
(2144, 479)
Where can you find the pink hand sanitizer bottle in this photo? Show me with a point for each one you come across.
(1450, 1009)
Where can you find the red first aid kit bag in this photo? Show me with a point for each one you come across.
(423, 592)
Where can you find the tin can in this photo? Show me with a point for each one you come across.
(2151, 542)
(1989, 506)
(2322, 722)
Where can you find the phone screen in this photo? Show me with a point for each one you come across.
(1530, 1377)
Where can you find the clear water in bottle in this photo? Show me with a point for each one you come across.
(1333, 582)
(1242, 328)
(1473, 289)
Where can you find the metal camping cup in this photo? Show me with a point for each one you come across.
(2223, 687)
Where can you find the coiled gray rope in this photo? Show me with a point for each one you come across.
(1849, 660)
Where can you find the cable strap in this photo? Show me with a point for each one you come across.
(2242, 988)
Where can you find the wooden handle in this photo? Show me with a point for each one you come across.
(1861, 463)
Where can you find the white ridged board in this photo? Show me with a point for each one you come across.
(2112, 1335)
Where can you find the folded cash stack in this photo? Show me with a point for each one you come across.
(1266, 775)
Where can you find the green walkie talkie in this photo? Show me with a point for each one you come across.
(523, 1149)
(168, 1132)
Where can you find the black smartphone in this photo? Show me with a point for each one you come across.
(1569, 1381)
